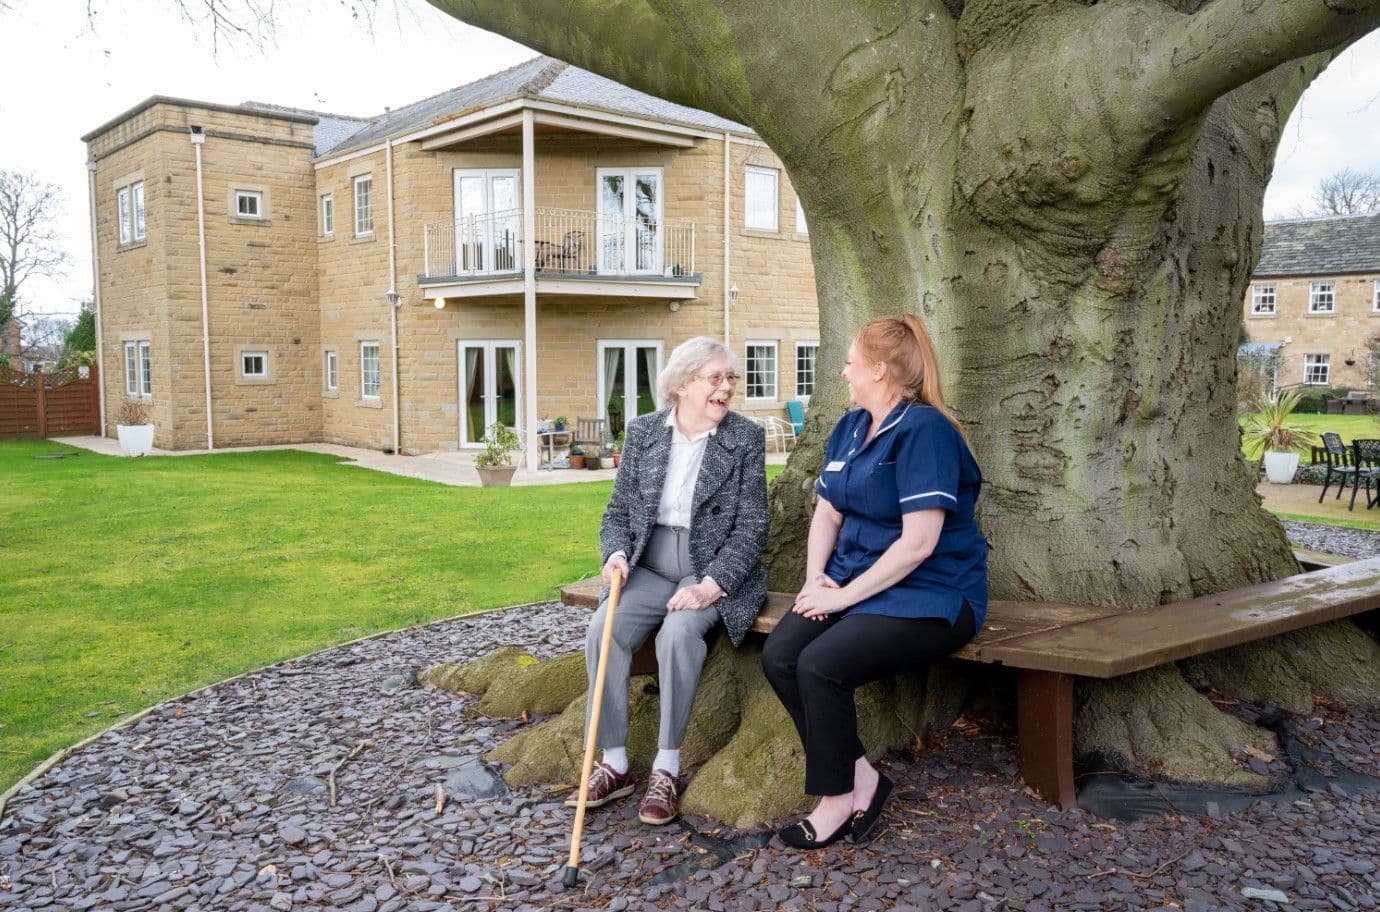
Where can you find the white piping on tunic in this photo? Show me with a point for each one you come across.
(928, 494)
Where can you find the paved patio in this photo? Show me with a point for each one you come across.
(444, 468)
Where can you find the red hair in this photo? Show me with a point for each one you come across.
(903, 345)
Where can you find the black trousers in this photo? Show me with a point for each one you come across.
(814, 667)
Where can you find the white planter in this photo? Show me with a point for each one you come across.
(1280, 467)
(135, 439)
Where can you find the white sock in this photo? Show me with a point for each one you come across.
(617, 757)
(668, 760)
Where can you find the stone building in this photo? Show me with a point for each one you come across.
(1315, 296)
(527, 246)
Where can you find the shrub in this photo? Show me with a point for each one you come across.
(132, 411)
(499, 445)
(1269, 429)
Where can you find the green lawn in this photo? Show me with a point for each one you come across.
(1349, 426)
(129, 581)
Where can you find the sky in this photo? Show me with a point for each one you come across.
(70, 72)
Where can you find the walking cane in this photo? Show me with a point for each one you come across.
(572, 868)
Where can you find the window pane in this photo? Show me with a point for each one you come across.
(331, 380)
(327, 215)
(139, 211)
(369, 369)
(122, 201)
(760, 193)
(364, 205)
(131, 369)
(146, 368)
(761, 372)
(805, 369)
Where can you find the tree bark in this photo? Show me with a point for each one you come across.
(1070, 195)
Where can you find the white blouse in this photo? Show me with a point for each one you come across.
(682, 470)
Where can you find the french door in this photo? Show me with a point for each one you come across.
(627, 380)
(488, 220)
(630, 205)
(490, 388)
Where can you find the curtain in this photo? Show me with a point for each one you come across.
(507, 387)
(614, 389)
(646, 380)
(474, 401)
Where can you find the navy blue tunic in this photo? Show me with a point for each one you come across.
(916, 461)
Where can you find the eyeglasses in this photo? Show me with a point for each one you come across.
(716, 378)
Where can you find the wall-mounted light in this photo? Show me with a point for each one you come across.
(733, 295)
(674, 305)
(440, 303)
(393, 298)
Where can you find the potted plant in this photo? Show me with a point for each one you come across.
(495, 461)
(134, 427)
(617, 450)
(558, 423)
(594, 459)
(1270, 432)
(576, 456)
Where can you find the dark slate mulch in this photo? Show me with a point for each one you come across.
(221, 802)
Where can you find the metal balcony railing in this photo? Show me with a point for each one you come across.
(565, 241)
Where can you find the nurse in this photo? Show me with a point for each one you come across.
(896, 570)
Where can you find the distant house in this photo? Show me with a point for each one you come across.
(1315, 298)
(527, 246)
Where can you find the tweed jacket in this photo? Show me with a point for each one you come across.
(728, 513)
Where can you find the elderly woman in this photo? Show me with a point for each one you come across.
(685, 528)
(896, 569)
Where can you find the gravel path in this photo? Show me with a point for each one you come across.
(220, 801)
(1356, 543)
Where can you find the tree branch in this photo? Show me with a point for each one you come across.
(625, 40)
(1230, 42)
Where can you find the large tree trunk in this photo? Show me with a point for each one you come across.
(1070, 195)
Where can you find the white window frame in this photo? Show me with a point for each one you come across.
(1320, 293)
(138, 369)
(364, 210)
(630, 391)
(257, 197)
(136, 193)
(488, 383)
(123, 213)
(1375, 298)
(1263, 299)
(1312, 364)
(378, 372)
(244, 364)
(775, 176)
(327, 212)
(330, 370)
(624, 225)
(814, 368)
(485, 237)
(801, 226)
(748, 346)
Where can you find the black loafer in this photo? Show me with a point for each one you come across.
(801, 834)
(865, 822)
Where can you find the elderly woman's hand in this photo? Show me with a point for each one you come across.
(617, 563)
(694, 598)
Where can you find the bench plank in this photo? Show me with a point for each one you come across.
(1131, 641)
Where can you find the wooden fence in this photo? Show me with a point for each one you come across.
(49, 405)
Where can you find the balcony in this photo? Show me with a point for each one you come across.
(575, 252)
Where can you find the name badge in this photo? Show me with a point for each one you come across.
(835, 466)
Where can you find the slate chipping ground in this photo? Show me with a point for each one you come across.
(220, 801)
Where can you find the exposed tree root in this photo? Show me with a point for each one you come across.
(1338, 661)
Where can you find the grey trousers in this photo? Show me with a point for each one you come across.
(663, 569)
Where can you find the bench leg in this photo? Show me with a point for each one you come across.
(1045, 714)
(644, 660)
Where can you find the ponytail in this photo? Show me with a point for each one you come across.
(903, 344)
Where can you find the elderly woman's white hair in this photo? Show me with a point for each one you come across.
(685, 361)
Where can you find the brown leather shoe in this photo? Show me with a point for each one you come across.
(605, 785)
(660, 805)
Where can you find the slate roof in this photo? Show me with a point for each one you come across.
(541, 77)
(1321, 246)
(330, 130)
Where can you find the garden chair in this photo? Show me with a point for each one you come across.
(1365, 458)
(795, 410)
(591, 432)
(1338, 457)
(778, 432)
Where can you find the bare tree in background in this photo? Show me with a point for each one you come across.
(44, 337)
(28, 243)
(1345, 192)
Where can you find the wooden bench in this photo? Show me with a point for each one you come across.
(1050, 645)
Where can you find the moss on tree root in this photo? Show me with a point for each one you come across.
(751, 767)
